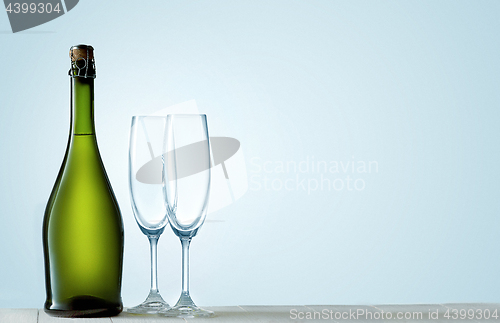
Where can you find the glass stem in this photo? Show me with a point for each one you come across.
(153, 242)
(185, 265)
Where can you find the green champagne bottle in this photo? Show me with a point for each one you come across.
(82, 227)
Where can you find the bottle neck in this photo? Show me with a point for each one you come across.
(82, 106)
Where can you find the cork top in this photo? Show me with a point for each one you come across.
(82, 61)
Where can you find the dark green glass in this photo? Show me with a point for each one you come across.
(82, 227)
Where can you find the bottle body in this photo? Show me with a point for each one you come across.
(82, 228)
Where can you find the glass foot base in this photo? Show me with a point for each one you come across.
(186, 308)
(153, 304)
(187, 312)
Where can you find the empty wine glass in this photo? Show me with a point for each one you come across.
(146, 191)
(186, 185)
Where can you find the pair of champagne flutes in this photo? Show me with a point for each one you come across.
(169, 175)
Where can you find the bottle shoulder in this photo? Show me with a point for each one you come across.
(83, 183)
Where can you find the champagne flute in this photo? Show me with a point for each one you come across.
(145, 178)
(186, 185)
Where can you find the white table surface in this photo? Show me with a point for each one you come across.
(299, 313)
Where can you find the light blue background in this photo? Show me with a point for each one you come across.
(413, 85)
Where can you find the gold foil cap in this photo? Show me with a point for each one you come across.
(82, 61)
